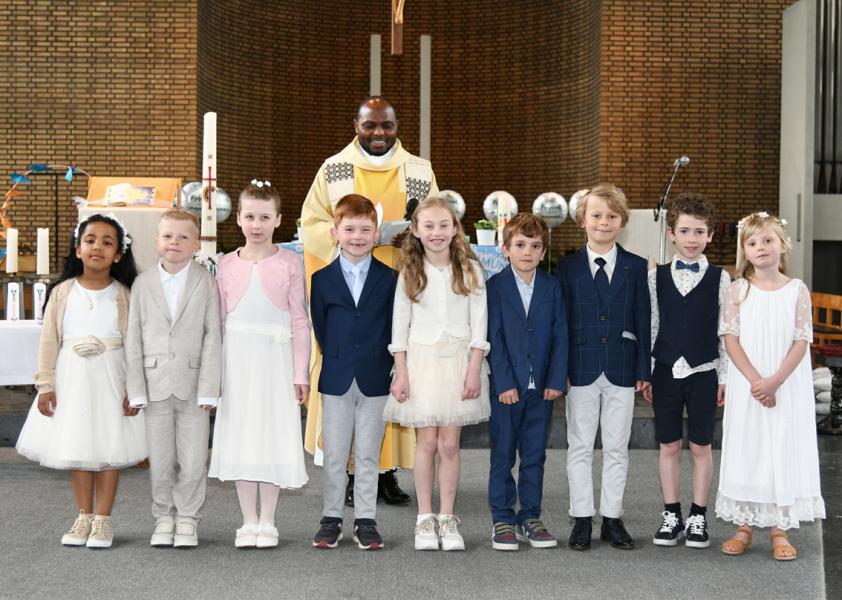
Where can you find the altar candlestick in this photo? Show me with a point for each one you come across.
(209, 187)
(11, 250)
(42, 260)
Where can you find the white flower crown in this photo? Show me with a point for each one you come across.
(127, 240)
(260, 184)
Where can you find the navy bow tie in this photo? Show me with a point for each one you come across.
(683, 265)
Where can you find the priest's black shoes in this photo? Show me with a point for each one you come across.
(580, 537)
(615, 532)
(349, 491)
(389, 490)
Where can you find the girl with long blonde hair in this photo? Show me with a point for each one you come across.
(439, 343)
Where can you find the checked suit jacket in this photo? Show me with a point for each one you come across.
(610, 336)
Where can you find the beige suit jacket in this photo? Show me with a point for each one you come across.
(173, 356)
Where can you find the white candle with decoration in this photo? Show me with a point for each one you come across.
(42, 261)
(11, 250)
(209, 184)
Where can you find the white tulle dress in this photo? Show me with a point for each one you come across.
(769, 474)
(88, 430)
(257, 432)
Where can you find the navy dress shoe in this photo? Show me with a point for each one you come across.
(615, 532)
(580, 537)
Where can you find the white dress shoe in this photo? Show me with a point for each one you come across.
(267, 536)
(246, 537)
(163, 534)
(186, 535)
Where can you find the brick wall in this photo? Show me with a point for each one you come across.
(514, 106)
(700, 79)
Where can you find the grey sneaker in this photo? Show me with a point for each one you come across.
(426, 537)
(79, 532)
(534, 532)
(449, 534)
(102, 534)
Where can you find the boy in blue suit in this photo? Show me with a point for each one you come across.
(527, 330)
(607, 301)
(351, 308)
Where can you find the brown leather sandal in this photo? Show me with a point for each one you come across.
(734, 546)
(783, 551)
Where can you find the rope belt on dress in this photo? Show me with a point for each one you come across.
(280, 334)
(91, 345)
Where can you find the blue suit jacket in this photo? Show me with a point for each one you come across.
(520, 341)
(613, 338)
(353, 338)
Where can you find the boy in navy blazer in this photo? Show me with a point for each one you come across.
(607, 301)
(527, 329)
(351, 308)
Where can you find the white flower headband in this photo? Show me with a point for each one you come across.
(260, 184)
(763, 215)
(127, 240)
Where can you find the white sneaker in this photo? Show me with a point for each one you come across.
(102, 534)
(163, 534)
(186, 535)
(246, 537)
(449, 534)
(267, 536)
(78, 534)
(425, 534)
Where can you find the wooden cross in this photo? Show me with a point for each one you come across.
(397, 26)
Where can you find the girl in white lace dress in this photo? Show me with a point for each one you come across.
(769, 475)
(439, 342)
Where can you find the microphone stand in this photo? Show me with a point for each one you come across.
(660, 214)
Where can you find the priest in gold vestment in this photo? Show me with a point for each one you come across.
(376, 166)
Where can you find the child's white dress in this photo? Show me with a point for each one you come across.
(88, 430)
(769, 473)
(257, 433)
(437, 334)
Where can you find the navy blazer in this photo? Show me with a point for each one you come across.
(613, 338)
(354, 339)
(520, 341)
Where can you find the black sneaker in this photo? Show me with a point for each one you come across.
(329, 534)
(366, 534)
(672, 530)
(697, 532)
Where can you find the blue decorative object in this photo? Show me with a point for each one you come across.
(18, 178)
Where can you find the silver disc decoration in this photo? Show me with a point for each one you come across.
(191, 199)
(456, 201)
(551, 207)
(573, 203)
(489, 205)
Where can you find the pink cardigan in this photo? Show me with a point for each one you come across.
(282, 278)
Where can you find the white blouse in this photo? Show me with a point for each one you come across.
(440, 311)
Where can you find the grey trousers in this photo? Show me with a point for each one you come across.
(352, 417)
(177, 432)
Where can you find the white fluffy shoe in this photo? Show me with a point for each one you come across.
(102, 534)
(449, 534)
(426, 537)
(267, 536)
(163, 534)
(79, 532)
(186, 535)
(246, 537)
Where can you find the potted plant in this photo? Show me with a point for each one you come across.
(298, 229)
(485, 232)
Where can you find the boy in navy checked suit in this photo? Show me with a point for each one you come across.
(527, 329)
(351, 303)
(607, 302)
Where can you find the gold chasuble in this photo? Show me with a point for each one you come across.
(388, 185)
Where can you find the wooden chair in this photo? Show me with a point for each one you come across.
(827, 320)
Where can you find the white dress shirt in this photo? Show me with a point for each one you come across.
(610, 261)
(173, 284)
(685, 281)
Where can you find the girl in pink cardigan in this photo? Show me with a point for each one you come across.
(266, 354)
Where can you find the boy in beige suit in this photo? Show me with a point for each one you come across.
(172, 363)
